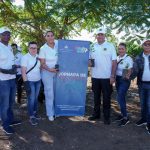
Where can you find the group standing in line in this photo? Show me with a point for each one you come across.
(108, 69)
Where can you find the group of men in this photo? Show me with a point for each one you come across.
(103, 76)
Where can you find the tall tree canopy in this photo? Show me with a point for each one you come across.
(66, 17)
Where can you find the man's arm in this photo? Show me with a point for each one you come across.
(44, 66)
(8, 71)
(113, 71)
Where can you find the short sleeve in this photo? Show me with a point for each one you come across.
(41, 54)
(23, 61)
(130, 61)
(114, 55)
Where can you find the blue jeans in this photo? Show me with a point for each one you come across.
(122, 87)
(33, 97)
(7, 99)
(144, 92)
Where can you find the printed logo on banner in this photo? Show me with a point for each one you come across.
(81, 49)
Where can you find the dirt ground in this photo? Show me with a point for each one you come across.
(77, 133)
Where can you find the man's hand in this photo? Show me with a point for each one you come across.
(112, 80)
(53, 70)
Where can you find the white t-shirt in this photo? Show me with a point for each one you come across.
(28, 61)
(49, 54)
(126, 63)
(146, 72)
(6, 61)
(103, 54)
(18, 57)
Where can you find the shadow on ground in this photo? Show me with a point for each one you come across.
(77, 133)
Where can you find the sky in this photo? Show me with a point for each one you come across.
(18, 2)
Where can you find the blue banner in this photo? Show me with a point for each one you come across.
(71, 82)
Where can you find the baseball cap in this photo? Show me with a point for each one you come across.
(4, 29)
(145, 40)
(101, 30)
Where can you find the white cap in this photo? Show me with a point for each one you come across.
(4, 29)
(101, 30)
(145, 40)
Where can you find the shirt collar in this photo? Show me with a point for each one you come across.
(123, 56)
(32, 56)
(102, 43)
(146, 56)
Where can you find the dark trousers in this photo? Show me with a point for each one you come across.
(102, 86)
(19, 88)
(144, 93)
(122, 87)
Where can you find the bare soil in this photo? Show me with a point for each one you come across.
(77, 133)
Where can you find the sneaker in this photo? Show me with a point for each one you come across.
(119, 118)
(33, 121)
(92, 118)
(15, 123)
(8, 130)
(51, 118)
(123, 122)
(148, 128)
(141, 122)
(37, 117)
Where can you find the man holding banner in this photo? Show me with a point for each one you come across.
(103, 75)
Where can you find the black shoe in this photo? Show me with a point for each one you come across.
(141, 122)
(8, 130)
(119, 118)
(148, 128)
(15, 123)
(33, 121)
(92, 118)
(107, 121)
(37, 117)
(123, 122)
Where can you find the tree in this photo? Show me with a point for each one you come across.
(133, 17)
(64, 16)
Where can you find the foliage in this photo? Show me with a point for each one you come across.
(132, 17)
(67, 17)
(133, 49)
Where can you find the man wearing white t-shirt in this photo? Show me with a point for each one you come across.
(18, 56)
(103, 75)
(30, 67)
(7, 81)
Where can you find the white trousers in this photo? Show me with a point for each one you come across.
(48, 79)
